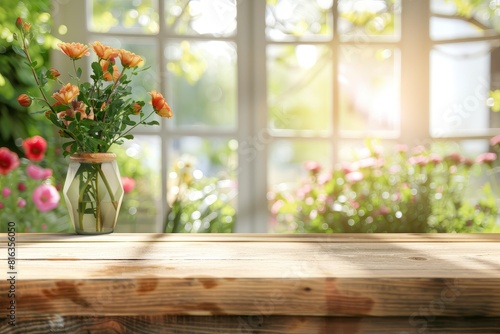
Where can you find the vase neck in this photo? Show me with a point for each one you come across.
(90, 157)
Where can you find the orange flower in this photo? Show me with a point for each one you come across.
(129, 59)
(160, 106)
(61, 115)
(66, 94)
(78, 107)
(24, 100)
(104, 51)
(137, 108)
(106, 74)
(74, 50)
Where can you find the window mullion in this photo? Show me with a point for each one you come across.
(415, 48)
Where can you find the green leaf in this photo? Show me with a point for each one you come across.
(130, 137)
(18, 50)
(79, 72)
(96, 67)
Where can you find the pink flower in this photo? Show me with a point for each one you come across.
(2, 205)
(128, 184)
(454, 158)
(324, 178)
(495, 140)
(435, 159)
(370, 162)
(21, 203)
(347, 167)
(21, 186)
(382, 211)
(418, 149)
(275, 208)
(38, 173)
(8, 160)
(312, 166)
(6, 191)
(354, 177)
(418, 160)
(45, 197)
(402, 148)
(486, 158)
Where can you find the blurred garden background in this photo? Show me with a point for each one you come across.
(290, 116)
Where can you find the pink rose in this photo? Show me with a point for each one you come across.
(38, 173)
(46, 197)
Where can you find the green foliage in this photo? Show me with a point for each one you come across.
(15, 77)
(417, 192)
(200, 204)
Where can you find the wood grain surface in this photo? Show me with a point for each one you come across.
(255, 283)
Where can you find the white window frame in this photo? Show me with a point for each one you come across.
(252, 132)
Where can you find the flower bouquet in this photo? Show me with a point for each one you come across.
(92, 116)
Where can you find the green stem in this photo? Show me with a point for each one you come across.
(108, 187)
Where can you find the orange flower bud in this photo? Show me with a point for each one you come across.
(26, 27)
(53, 74)
(74, 50)
(129, 59)
(137, 108)
(66, 94)
(104, 51)
(160, 106)
(24, 100)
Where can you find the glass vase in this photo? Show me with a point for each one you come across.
(93, 192)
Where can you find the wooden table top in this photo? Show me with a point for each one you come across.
(382, 275)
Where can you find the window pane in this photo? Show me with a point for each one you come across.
(202, 187)
(195, 17)
(202, 83)
(124, 16)
(287, 157)
(299, 87)
(369, 90)
(299, 20)
(460, 83)
(141, 207)
(364, 20)
(457, 19)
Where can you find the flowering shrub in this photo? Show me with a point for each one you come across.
(410, 191)
(30, 195)
(199, 204)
